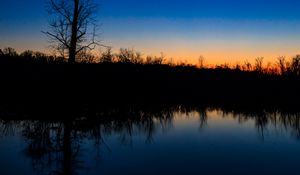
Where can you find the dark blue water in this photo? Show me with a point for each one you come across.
(213, 142)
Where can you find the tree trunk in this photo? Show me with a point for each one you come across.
(72, 49)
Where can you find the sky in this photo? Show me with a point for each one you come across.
(222, 31)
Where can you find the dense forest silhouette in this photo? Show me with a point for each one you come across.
(128, 78)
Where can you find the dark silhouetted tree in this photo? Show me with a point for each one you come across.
(282, 64)
(295, 65)
(201, 61)
(73, 27)
(259, 64)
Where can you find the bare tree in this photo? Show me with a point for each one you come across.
(201, 61)
(295, 65)
(259, 64)
(281, 62)
(73, 26)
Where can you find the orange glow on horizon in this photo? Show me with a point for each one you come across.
(218, 58)
(177, 55)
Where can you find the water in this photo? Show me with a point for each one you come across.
(177, 142)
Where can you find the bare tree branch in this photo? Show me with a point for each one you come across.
(74, 26)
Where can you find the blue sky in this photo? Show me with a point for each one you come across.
(220, 30)
(227, 9)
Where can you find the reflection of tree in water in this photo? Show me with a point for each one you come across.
(8, 127)
(203, 118)
(280, 121)
(51, 145)
(55, 145)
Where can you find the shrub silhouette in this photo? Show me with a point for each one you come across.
(10, 52)
(129, 56)
(154, 60)
(107, 56)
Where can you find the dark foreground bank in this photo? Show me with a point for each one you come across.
(41, 82)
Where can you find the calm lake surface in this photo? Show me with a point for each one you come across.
(207, 142)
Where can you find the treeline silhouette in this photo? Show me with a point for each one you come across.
(128, 78)
(281, 67)
(57, 105)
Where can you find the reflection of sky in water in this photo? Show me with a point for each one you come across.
(185, 145)
(12, 159)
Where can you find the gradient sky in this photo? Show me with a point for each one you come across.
(220, 30)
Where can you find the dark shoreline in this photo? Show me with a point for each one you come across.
(50, 84)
